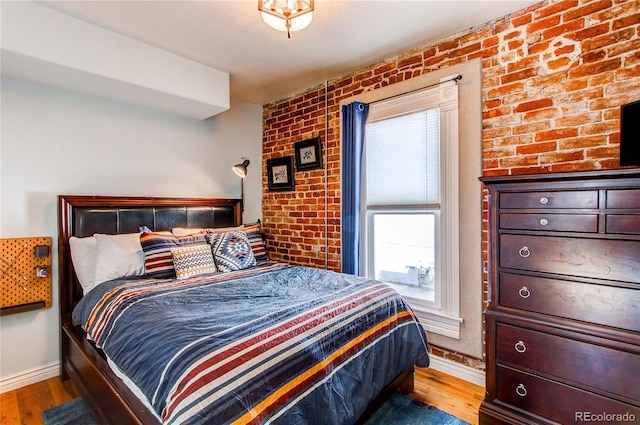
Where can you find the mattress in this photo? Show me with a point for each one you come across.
(273, 343)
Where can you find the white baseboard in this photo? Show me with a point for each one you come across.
(458, 370)
(30, 377)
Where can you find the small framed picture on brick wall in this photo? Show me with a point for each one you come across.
(308, 154)
(280, 173)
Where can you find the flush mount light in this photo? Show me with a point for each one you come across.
(286, 15)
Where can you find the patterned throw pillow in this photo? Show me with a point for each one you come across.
(231, 250)
(158, 261)
(193, 260)
(254, 234)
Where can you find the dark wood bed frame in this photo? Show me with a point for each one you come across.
(108, 399)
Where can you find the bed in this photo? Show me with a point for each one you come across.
(261, 343)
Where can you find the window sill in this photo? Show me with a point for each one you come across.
(433, 320)
(437, 322)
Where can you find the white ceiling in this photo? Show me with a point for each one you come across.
(263, 64)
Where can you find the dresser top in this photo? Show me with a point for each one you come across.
(621, 173)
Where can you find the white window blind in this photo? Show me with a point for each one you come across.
(410, 189)
(403, 160)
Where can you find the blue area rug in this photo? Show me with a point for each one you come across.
(73, 412)
(401, 409)
(398, 410)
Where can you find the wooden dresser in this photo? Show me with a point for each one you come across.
(563, 323)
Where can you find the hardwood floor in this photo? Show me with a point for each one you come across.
(25, 405)
(448, 393)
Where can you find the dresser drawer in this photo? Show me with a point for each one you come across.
(550, 199)
(603, 305)
(561, 403)
(576, 361)
(623, 223)
(552, 222)
(623, 198)
(594, 258)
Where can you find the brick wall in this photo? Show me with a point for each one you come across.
(554, 77)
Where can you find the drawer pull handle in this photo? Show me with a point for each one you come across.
(524, 292)
(521, 390)
(520, 347)
(524, 252)
(544, 221)
(544, 200)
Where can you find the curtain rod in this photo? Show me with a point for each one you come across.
(456, 79)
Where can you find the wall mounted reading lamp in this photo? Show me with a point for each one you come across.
(241, 171)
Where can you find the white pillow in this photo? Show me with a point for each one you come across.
(185, 231)
(118, 256)
(83, 255)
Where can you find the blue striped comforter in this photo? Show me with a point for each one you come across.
(271, 344)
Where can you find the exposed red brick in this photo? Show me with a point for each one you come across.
(498, 152)
(559, 63)
(490, 42)
(563, 29)
(581, 142)
(539, 47)
(520, 75)
(593, 56)
(564, 50)
(429, 53)
(412, 60)
(519, 161)
(600, 80)
(448, 45)
(529, 170)
(556, 157)
(588, 9)
(540, 114)
(583, 165)
(466, 50)
(553, 78)
(629, 73)
(621, 48)
(608, 39)
(594, 68)
(536, 148)
(521, 20)
(626, 21)
(522, 139)
(506, 89)
(525, 63)
(512, 34)
(384, 68)
(496, 112)
(490, 173)
(559, 133)
(541, 24)
(554, 8)
(534, 104)
(590, 32)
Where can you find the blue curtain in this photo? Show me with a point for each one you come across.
(354, 117)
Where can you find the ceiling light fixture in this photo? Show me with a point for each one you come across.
(286, 15)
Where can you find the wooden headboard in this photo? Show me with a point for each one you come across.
(83, 216)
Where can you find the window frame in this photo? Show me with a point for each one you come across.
(368, 265)
(443, 315)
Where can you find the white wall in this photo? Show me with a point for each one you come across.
(58, 142)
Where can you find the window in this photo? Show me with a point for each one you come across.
(410, 202)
